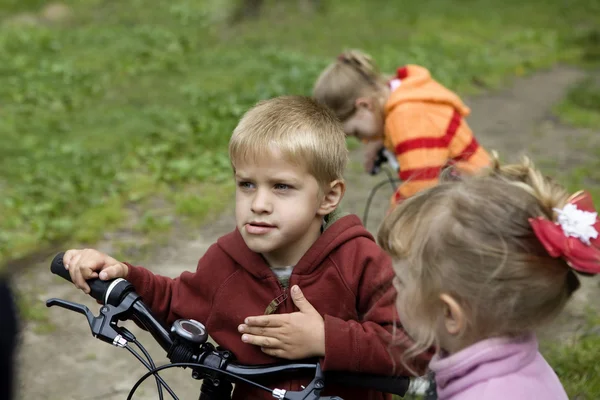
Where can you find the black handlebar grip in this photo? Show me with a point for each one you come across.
(387, 384)
(57, 267)
(98, 288)
(379, 161)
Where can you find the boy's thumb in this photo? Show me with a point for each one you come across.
(111, 272)
(299, 299)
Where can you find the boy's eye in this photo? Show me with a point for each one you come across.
(245, 185)
(282, 186)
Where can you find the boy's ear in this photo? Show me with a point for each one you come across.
(332, 197)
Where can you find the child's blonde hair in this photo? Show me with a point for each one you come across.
(352, 75)
(304, 131)
(472, 239)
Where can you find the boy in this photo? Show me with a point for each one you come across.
(288, 155)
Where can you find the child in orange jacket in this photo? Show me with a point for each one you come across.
(411, 114)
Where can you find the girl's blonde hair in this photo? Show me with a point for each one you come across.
(472, 240)
(352, 75)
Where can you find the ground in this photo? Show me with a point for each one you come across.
(70, 364)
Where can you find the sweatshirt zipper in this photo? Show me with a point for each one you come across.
(277, 301)
(271, 309)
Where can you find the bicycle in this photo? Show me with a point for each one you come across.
(384, 156)
(187, 347)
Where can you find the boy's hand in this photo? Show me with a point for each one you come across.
(85, 264)
(293, 336)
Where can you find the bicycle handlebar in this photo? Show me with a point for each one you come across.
(384, 156)
(98, 288)
(119, 291)
(113, 292)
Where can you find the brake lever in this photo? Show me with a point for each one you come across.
(311, 392)
(79, 308)
(104, 326)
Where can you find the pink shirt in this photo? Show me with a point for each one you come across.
(497, 369)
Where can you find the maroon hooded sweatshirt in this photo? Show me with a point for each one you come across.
(345, 275)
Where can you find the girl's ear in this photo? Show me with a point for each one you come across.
(332, 197)
(364, 102)
(455, 320)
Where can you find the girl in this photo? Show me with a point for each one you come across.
(414, 116)
(482, 263)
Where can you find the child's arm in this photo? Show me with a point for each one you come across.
(169, 299)
(189, 295)
(419, 141)
(374, 344)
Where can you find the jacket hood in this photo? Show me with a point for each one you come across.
(416, 84)
(341, 231)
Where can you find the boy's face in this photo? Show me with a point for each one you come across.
(277, 208)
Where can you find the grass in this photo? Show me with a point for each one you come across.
(32, 310)
(577, 366)
(586, 174)
(576, 363)
(581, 107)
(132, 100)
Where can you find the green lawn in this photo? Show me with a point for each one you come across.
(133, 100)
(576, 363)
(581, 107)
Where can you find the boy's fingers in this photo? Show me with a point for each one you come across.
(74, 261)
(262, 341)
(273, 321)
(112, 272)
(74, 269)
(73, 274)
(89, 264)
(256, 330)
(68, 256)
(79, 280)
(87, 273)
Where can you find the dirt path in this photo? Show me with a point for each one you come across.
(70, 364)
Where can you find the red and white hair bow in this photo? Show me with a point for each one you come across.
(574, 236)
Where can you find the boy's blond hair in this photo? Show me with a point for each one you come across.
(352, 75)
(304, 131)
(472, 239)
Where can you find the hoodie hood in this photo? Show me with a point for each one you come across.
(417, 85)
(341, 231)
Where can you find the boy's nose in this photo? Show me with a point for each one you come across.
(261, 203)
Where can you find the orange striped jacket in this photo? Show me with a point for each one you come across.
(426, 129)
